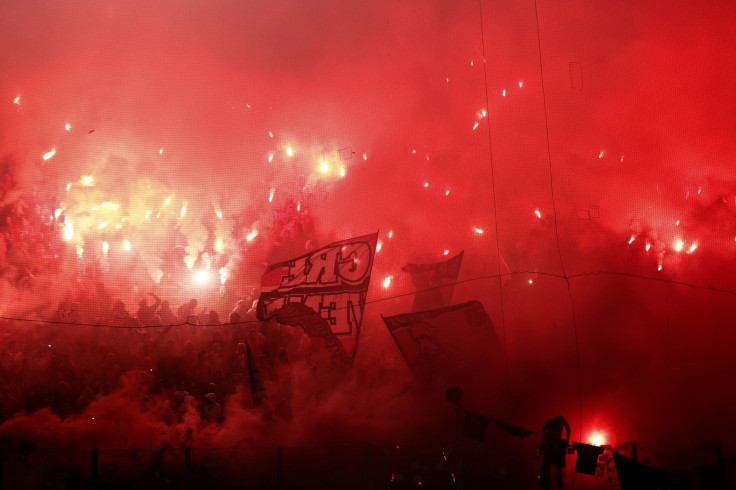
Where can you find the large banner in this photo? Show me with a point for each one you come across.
(332, 280)
(452, 346)
(434, 283)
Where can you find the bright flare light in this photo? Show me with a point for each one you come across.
(67, 126)
(270, 195)
(387, 282)
(478, 231)
(379, 244)
(87, 180)
(445, 252)
(126, 245)
(538, 213)
(252, 235)
(218, 214)
(648, 246)
(475, 126)
(201, 276)
(597, 439)
(68, 232)
(631, 240)
(105, 247)
(289, 151)
(49, 154)
(692, 248)
(679, 244)
(324, 167)
(16, 101)
(183, 210)
(270, 158)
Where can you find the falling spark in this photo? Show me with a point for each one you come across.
(503, 93)
(68, 232)
(365, 156)
(168, 201)
(270, 195)
(648, 246)
(57, 213)
(445, 252)
(659, 268)
(679, 244)
(342, 171)
(531, 281)
(692, 248)
(252, 235)
(521, 83)
(148, 214)
(677, 223)
(126, 245)
(600, 155)
(218, 213)
(67, 126)
(471, 62)
(102, 226)
(426, 184)
(219, 245)
(16, 101)
(49, 154)
(105, 247)
(270, 134)
(475, 126)
(161, 151)
(289, 151)
(631, 240)
(478, 231)
(622, 159)
(379, 245)
(183, 210)
(699, 190)
(68, 186)
(270, 158)
(298, 207)
(118, 226)
(387, 282)
(538, 213)
(391, 235)
(114, 207)
(447, 192)
(483, 113)
(87, 180)
(324, 167)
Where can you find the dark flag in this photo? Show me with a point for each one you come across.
(513, 430)
(475, 425)
(635, 475)
(434, 283)
(587, 459)
(452, 346)
(257, 390)
(332, 280)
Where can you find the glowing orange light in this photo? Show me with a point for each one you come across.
(324, 167)
(290, 151)
(16, 101)
(692, 248)
(600, 155)
(503, 93)
(126, 245)
(105, 247)
(201, 276)
(252, 235)
(379, 245)
(631, 240)
(445, 252)
(475, 126)
(478, 231)
(538, 213)
(270, 195)
(67, 126)
(365, 157)
(387, 282)
(521, 83)
(68, 232)
(49, 154)
(270, 158)
(648, 246)
(679, 244)
(391, 234)
(87, 180)
(219, 245)
(597, 439)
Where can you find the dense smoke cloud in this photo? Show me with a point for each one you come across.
(600, 188)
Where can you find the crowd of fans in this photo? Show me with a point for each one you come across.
(187, 358)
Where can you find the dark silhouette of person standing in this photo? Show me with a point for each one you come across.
(553, 449)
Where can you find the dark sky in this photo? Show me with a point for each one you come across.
(601, 187)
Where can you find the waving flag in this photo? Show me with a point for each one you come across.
(332, 280)
(434, 283)
(452, 346)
